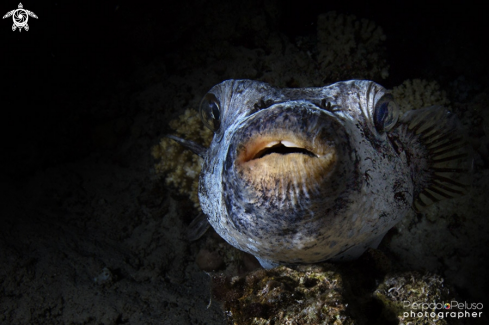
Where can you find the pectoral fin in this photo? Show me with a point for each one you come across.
(192, 146)
(438, 153)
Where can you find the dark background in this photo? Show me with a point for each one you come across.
(80, 50)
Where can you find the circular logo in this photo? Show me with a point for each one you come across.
(447, 305)
(20, 17)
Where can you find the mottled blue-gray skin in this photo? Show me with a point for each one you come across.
(339, 178)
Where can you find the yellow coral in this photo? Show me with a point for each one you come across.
(350, 48)
(179, 166)
(419, 93)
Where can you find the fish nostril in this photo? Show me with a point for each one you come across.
(283, 150)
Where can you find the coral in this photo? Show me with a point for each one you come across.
(350, 48)
(308, 294)
(344, 293)
(179, 166)
(407, 294)
(419, 93)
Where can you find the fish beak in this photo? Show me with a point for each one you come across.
(281, 143)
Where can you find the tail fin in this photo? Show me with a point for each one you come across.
(438, 153)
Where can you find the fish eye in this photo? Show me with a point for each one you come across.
(210, 112)
(386, 113)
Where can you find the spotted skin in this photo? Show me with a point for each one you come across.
(283, 219)
(306, 175)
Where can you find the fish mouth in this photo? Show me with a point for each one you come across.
(282, 151)
(286, 156)
(261, 148)
(282, 147)
(282, 143)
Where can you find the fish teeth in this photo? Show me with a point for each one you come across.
(290, 144)
(271, 144)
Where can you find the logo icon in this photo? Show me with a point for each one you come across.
(447, 305)
(20, 17)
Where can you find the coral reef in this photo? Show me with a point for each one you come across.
(309, 294)
(419, 93)
(400, 294)
(350, 48)
(179, 166)
(359, 292)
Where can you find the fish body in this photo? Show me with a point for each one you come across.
(304, 175)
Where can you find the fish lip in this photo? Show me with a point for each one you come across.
(304, 171)
(280, 146)
(260, 149)
(297, 135)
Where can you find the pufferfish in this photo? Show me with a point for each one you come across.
(305, 175)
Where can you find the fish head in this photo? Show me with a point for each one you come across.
(285, 175)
